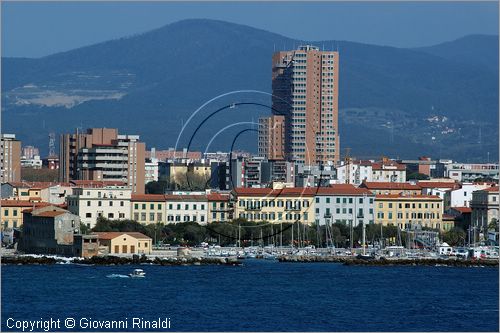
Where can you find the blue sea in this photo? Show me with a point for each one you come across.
(258, 296)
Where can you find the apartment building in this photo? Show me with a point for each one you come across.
(10, 158)
(468, 172)
(220, 207)
(286, 205)
(94, 200)
(408, 211)
(148, 208)
(388, 171)
(344, 203)
(305, 91)
(271, 139)
(101, 154)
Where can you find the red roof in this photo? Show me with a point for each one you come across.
(390, 186)
(491, 189)
(411, 196)
(463, 209)
(427, 184)
(217, 197)
(22, 203)
(148, 197)
(113, 234)
(336, 189)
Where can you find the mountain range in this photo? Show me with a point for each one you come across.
(439, 101)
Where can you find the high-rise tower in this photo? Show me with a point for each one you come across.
(305, 92)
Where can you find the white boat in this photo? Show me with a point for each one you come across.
(137, 273)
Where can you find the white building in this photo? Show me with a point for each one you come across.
(467, 172)
(91, 202)
(354, 172)
(186, 207)
(56, 193)
(344, 204)
(388, 171)
(151, 170)
(35, 162)
(461, 197)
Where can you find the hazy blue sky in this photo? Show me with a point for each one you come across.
(38, 29)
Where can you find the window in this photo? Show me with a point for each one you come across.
(88, 203)
(360, 200)
(111, 215)
(159, 206)
(390, 204)
(110, 203)
(194, 206)
(338, 200)
(143, 206)
(136, 206)
(203, 207)
(151, 216)
(186, 206)
(143, 216)
(88, 215)
(380, 205)
(136, 216)
(317, 199)
(99, 203)
(159, 217)
(122, 203)
(327, 200)
(15, 212)
(350, 200)
(178, 206)
(152, 206)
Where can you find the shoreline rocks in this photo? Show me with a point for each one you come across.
(114, 260)
(349, 261)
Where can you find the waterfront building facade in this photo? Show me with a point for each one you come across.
(11, 212)
(124, 242)
(409, 211)
(344, 203)
(108, 201)
(305, 91)
(148, 208)
(220, 207)
(286, 205)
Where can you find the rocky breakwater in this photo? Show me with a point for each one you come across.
(115, 260)
(350, 261)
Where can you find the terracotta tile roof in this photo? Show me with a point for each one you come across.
(217, 197)
(463, 209)
(22, 203)
(491, 189)
(336, 189)
(148, 197)
(390, 186)
(426, 184)
(411, 196)
(113, 234)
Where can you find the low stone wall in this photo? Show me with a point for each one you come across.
(349, 261)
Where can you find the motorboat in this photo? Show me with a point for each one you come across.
(137, 273)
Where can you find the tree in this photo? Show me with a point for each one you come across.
(454, 237)
(417, 176)
(157, 187)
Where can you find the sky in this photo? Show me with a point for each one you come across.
(37, 29)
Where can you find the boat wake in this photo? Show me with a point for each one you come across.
(115, 276)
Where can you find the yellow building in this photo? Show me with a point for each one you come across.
(11, 212)
(406, 211)
(148, 208)
(179, 173)
(125, 242)
(220, 209)
(285, 205)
